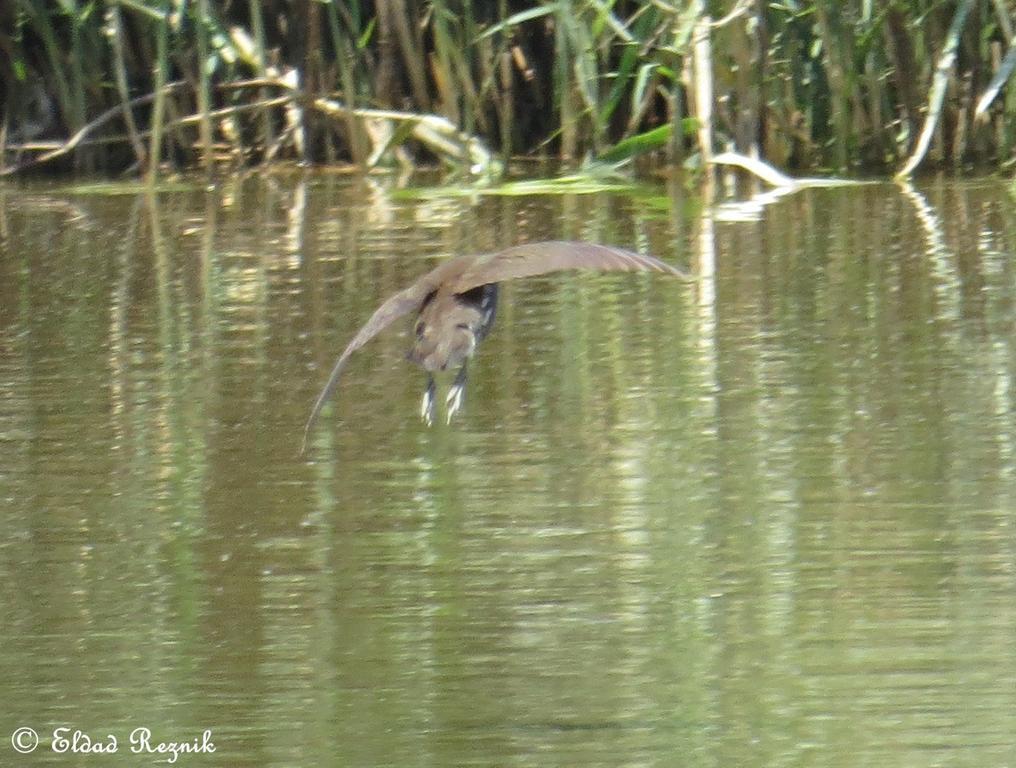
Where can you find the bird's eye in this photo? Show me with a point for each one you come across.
(462, 326)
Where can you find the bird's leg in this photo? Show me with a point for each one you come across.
(454, 398)
(427, 406)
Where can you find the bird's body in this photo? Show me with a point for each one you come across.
(457, 303)
(450, 325)
(447, 330)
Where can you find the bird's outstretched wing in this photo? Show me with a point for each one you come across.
(399, 305)
(538, 258)
(466, 272)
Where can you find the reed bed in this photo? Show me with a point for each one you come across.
(146, 86)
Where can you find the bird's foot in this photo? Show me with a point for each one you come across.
(454, 400)
(427, 404)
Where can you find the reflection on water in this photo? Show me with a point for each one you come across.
(763, 520)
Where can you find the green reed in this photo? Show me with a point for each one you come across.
(805, 83)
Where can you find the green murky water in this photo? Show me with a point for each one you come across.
(767, 519)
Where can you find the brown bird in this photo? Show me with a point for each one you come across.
(457, 301)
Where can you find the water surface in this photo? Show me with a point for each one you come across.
(763, 519)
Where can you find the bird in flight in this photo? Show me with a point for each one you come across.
(456, 303)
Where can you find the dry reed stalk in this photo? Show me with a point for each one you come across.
(204, 90)
(115, 29)
(936, 98)
(159, 106)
